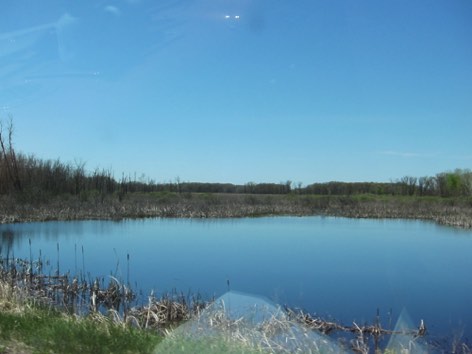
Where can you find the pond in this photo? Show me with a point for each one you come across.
(343, 269)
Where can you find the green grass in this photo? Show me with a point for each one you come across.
(36, 330)
(207, 345)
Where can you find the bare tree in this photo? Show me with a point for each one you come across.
(8, 155)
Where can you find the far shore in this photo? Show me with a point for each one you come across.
(456, 212)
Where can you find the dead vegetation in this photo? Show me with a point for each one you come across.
(25, 282)
(452, 212)
(264, 328)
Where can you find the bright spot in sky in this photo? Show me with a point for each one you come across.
(227, 16)
(236, 17)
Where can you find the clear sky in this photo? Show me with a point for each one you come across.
(238, 91)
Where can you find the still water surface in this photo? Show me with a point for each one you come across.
(337, 267)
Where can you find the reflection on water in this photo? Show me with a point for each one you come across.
(342, 268)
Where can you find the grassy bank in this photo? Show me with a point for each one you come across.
(451, 211)
(29, 328)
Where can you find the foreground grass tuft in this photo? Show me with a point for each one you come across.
(37, 330)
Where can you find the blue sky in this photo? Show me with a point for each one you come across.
(239, 91)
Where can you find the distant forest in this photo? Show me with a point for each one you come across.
(37, 179)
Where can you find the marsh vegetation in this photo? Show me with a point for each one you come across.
(448, 211)
(53, 313)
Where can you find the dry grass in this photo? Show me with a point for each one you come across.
(455, 212)
(221, 332)
(189, 325)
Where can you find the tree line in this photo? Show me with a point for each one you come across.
(32, 177)
(445, 184)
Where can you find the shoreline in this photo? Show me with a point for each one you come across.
(455, 212)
